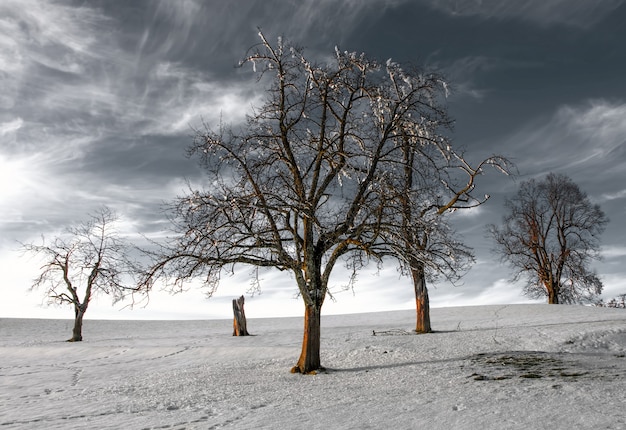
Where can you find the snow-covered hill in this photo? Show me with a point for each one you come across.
(490, 367)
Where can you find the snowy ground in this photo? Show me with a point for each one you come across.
(491, 367)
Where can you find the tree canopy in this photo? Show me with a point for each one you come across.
(315, 176)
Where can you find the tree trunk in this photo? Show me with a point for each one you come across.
(422, 304)
(77, 332)
(240, 327)
(309, 361)
(553, 295)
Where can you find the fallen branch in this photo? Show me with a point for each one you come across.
(392, 332)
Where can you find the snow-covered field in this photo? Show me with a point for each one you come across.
(490, 367)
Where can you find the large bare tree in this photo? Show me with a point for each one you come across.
(306, 183)
(549, 235)
(89, 260)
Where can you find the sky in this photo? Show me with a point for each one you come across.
(98, 100)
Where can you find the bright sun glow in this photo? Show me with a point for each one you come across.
(19, 179)
(10, 183)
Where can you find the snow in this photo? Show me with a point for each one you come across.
(487, 367)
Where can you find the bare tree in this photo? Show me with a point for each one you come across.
(429, 248)
(306, 183)
(549, 235)
(615, 302)
(434, 182)
(429, 181)
(90, 259)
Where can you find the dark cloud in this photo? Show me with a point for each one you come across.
(573, 13)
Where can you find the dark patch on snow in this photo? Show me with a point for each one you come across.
(543, 365)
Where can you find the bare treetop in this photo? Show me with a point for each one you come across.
(309, 156)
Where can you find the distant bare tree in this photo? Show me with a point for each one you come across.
(618, 302)
(615, 302)
(90, 259)
(549, 235)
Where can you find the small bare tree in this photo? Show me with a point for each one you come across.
(90, 259)
(549, 235)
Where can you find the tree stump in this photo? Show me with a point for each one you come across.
(239, 322)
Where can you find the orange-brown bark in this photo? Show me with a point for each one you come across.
(422, 303)
(309, 361)
(240, 326)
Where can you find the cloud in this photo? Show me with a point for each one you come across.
(599, 120)
(621, 194)
(82, 94)
(182, 16)
(587, 138)
(464, 73)
(98, 107)
(614, 285)
(177, 98)
(613, 252)
(473, 212)
(11, 126)
(574, 13)
(211, 29)
(33, 194)
(36, 34)
(500, 291)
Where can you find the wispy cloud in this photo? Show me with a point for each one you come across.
(464, 72)
(11, 126)
(598, 121)
(176, 98)
(75, 92)
(40, 34)
(575, 13)
(53, 35)
(621, 194)
(217, 25)
(614, 251)
(586, 138)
